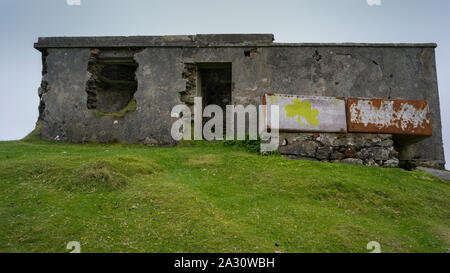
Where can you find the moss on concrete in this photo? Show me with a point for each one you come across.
(132, 106)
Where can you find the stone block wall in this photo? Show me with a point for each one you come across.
(358, 149)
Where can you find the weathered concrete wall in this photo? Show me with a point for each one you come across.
(67, 118)
(372, 72)
(348, 70)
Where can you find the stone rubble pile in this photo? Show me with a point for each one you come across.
(357, 149)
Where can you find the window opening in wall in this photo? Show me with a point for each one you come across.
(112, 81)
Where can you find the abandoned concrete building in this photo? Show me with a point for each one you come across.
(385, 96)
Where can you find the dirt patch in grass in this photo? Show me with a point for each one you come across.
(202, 160)
(444, 234)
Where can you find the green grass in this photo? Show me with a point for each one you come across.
(203, 197)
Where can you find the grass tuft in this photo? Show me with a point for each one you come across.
(107, 174)
(99, 175)
(74, 174)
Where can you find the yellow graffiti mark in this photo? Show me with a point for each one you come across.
(274, 99)
(303, 108)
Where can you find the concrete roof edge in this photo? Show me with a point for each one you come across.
(159, 41)
(199, 40)
(348, 44)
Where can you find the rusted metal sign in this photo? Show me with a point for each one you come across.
(307, 114)
(405, 117)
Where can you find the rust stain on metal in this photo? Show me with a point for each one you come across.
(404, 117)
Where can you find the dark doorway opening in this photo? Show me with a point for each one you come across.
(215, 82)
(211, 81)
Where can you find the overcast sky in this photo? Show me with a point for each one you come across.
(22, 21)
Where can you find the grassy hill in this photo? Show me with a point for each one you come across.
(203, 197)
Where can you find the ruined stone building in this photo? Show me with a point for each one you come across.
(123, 89)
